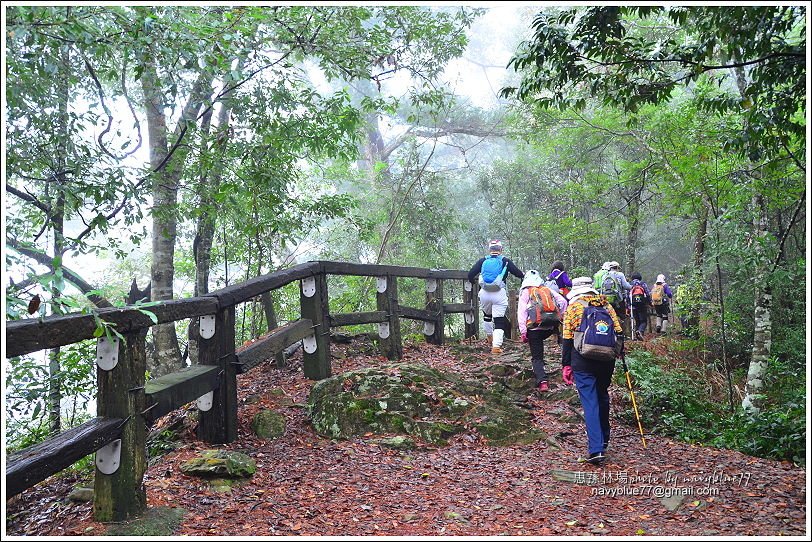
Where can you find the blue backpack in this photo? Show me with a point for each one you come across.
(595, 338)
(492, 273)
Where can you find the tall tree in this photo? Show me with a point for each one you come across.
(600, 51)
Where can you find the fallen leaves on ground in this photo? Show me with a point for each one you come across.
(307, 485)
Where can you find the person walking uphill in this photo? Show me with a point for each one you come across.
(593, 338)
(661, 300)
(562, 280)
(539, 313)
(492, 271)
(639, 301)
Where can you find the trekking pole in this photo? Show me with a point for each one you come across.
(631, 392)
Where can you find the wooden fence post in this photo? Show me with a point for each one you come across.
(471, 297)
(512, 315)
(434, 304)
(121, 495)
(218, 424)
(314, 306)
(387, 301)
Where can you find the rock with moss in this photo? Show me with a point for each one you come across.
(268, 424)
(398, 442)
(419, 401)
(81, 494)
(220, 464)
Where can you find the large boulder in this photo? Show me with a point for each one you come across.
(416, 400)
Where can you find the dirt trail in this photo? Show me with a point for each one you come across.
(308, 485)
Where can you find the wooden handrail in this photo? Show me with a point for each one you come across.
(36, 463)
(31, 335)
(373, 270)
(124, 396)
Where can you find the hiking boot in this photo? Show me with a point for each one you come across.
(596, 458)
(496, 350)
(658, 329)
(543, 387)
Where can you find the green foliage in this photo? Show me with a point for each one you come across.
(678, 403)
(28, 384)
(162, 443)
(613, 54)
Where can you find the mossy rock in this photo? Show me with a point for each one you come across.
(221, 485)
(268, 424)
(503, 426)
(415, 400)
(399, 442)
(568, 394)
(81, 494)
(252, 399)
(220, 464)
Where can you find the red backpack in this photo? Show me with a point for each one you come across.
(542, 311)
(638, 294)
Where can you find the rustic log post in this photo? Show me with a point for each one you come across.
(434, 304)
(512, 315)
(387, 301)
(120, 494)
(314, 306)
(218, 424)
(471, 297)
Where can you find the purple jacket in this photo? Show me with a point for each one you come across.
(561, 278)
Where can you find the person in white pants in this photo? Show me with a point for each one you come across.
(492, 271)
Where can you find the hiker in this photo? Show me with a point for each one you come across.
(661, 301)
(682, 301)
(597, 278)
(593, 337)
(559, 275)
(613, 284)
(639, 301)
(539, 312)
(492, 271)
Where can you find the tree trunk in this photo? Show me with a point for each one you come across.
(201, 246)
(699, 240)
(633, 233)
(762, 333)
(207, 222)
(54, 362)
(270, 317)
(58, 225)
(167, 172)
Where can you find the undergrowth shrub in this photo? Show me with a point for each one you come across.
(675, 403)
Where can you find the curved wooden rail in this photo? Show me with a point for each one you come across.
(126, 404)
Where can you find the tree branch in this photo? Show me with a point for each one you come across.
(69, 274)
(25, 196)
(785, 233)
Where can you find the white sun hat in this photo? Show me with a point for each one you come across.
(531, 278)
(581, 286)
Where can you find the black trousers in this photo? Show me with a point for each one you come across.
(535, 338)
(640, 316)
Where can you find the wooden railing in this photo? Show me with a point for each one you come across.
(127, 405)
